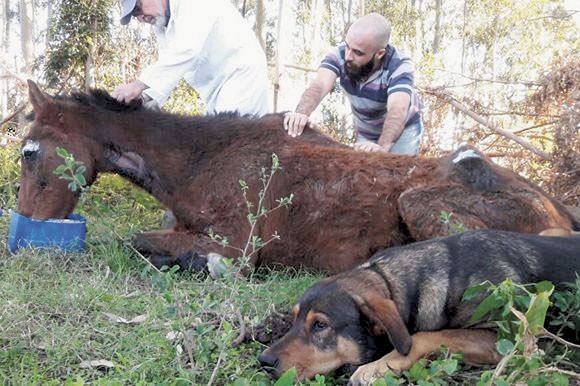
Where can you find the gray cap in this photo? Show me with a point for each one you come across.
(128, 7)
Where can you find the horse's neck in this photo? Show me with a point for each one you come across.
(154, 157)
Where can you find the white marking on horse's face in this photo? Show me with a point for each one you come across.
(465, 154)
(30, 146)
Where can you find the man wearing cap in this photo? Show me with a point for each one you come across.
(208, 44)
(378, 81)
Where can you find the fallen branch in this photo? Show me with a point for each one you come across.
(478, 118)
(296, 67)
(15, 113)
(558, 370)
(547, 334)
(501, 366)
(529, 84)
(242, 335)
(9, 138)
(12, 74)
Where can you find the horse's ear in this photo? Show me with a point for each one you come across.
(38, 98)
(385, 318)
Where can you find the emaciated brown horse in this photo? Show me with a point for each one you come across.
(347, 204)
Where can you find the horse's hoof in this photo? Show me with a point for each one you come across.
(215, 264)
(168, 221)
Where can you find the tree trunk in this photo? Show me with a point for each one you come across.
(4, 44)
(419, 30)
(316, 38)
(260, 22)
(90, 62)
(279, 49)
(349, 12)
(437, 37)
(49, 22)
(26, 35)
(463, 37)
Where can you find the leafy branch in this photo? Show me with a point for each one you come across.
(455, 227)
(72, 170)
(520, 311)
(254, 242)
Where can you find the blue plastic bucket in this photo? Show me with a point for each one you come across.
(67, 234)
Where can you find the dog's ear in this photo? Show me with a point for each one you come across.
(385, 318)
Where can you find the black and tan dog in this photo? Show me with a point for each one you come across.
(360, 315)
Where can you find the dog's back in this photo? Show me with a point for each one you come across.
(489, 252)
(428, 278)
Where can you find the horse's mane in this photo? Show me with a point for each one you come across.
(101, 98)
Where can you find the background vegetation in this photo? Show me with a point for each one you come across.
(485, 69)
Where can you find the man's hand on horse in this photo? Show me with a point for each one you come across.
(127, 92)
(370, 146)
(294, 123)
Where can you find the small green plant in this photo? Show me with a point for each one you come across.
(72, 170)
(254, 242)
(454, 227)
(228, 328)
(566, 313)
(424, 372)
(519, 310)
(508, 302)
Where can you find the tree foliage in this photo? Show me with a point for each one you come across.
(77, 28)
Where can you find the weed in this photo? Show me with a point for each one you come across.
(58, 311)
(454, 227)
(72, 170)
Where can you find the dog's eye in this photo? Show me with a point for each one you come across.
(318, 326)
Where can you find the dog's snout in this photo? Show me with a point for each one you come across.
(268, 361)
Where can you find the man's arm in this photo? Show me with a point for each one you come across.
(295, 122)
(397, 110)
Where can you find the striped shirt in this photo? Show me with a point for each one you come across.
(368, 99)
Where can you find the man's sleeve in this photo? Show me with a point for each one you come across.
(180, 53)
(332, 61)
(402, 78)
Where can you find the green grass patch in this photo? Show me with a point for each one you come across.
(105, 317)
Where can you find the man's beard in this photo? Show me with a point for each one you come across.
(357, 73)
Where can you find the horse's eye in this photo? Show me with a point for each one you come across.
(319, 326)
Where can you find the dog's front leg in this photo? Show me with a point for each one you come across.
(477, 346)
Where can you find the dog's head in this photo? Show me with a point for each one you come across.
(344, 320)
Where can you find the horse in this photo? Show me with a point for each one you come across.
(346, 204)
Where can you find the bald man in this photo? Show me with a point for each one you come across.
(378, 81)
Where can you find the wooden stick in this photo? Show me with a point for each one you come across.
(479, 119)
(15, 113)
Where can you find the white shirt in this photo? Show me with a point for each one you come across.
(211, 46)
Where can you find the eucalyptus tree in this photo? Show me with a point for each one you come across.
(78, 34)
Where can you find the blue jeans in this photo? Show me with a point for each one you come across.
(409, 143)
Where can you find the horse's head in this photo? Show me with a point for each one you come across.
(42, 193)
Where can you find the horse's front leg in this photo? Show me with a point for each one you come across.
(190, 251)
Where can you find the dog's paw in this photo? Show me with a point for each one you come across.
(397, 362)
(393, 361)
(367, 374)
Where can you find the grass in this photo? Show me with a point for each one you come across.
(105, 317)
(60, 313)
